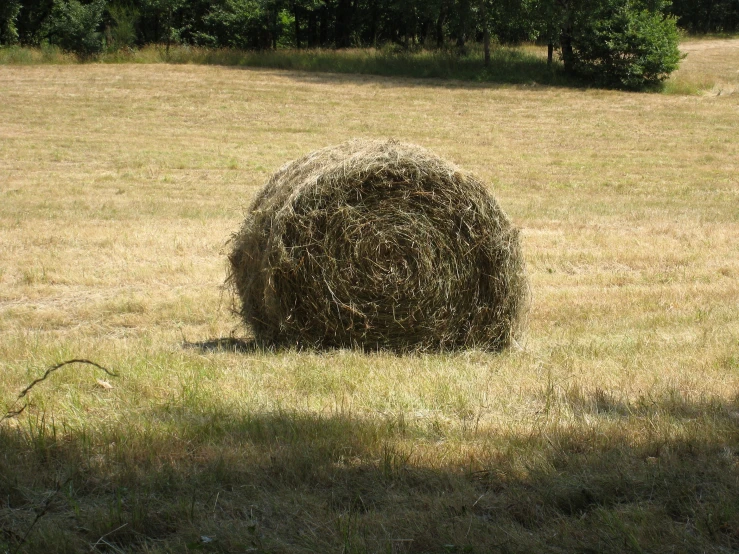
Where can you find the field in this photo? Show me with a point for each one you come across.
(615, 428)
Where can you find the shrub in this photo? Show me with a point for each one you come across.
(122, 32)
(625, 45)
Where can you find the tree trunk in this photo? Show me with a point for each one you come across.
(297, 24)
(343, 23)
(373, 23)
(410, 25)
(709, 16)
(463, 17)
(568, 57)
(274, 29)
(312, 29)
(550, 54)
(169, 30)
(565, 43)
(485, 31)
(440, 26)
(323, 31)
(423, 33)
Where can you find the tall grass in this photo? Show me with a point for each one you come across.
(514, 65)
(20, 55)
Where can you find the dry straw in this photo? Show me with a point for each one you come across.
(378, 245)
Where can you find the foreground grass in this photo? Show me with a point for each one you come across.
(615, 429)
(347, 460)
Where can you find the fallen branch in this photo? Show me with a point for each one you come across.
(16, 412)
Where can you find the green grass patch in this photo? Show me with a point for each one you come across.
(20, 55)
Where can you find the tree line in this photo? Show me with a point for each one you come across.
(590, 36)
(262, 24)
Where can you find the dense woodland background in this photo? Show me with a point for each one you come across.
(263, 24)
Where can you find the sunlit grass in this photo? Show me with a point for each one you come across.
(710, 66)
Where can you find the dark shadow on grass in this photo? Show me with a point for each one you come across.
(249, 345)
(225, 344)
(525, 81)
(246, 346)
(218, 481)
(509, 68)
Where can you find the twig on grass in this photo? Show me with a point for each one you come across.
(14, 413)
(52, 369)
(102, 539)
(11, 413)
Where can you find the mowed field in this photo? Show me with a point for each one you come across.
(615, 428)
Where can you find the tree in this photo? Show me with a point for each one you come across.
(546, 18)
(305, 18)
(9, 11)
(75, 27)
(707, 16)
(236, 24)
(444, 8)
(31, 20)
(122, 30)
(485, 30)
(166, 11)
(462, 13)
(622, 43)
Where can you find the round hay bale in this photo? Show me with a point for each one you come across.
(378, 245)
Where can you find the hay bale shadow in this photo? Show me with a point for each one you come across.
(225, 344)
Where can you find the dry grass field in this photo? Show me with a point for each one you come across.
(614, 429)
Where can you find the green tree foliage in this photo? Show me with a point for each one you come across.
(341, 23)
(707, 16)
(240, 24)
(624, 43)
(74, 26)
(169, 22)
(32, 19)
(9, 10)
(513, 21)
